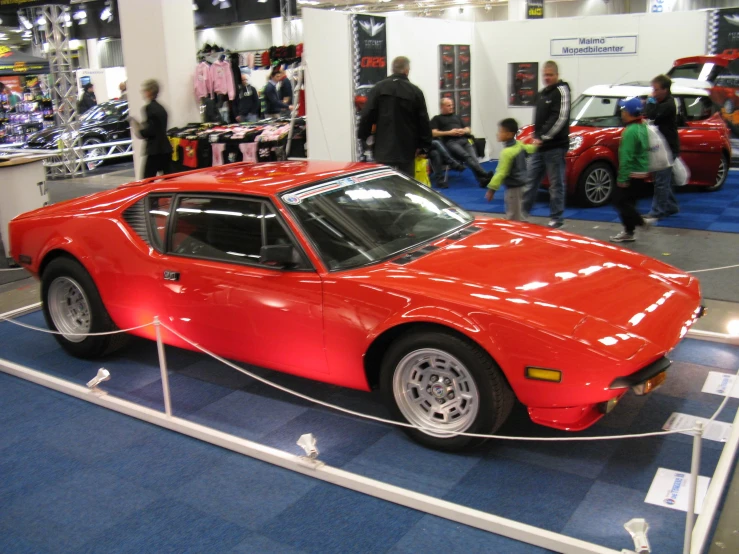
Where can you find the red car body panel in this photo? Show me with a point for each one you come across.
(702, 144)
(528, 295)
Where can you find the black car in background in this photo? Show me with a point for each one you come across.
(106, 122)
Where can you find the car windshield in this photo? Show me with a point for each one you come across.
(366, 218)
(698, 71)
(99, 113)
(596, 111)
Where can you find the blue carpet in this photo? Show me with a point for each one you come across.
(701, 210)
(77, 478)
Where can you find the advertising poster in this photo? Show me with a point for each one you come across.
(534, 9)
(370, 61)
(723, 37)
(455, 65)
(523, 83)
(446, 67)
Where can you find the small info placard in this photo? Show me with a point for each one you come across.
(715, 431)
(671, 488)
(720, 383)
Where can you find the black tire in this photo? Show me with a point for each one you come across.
(720, 177)
(496, 398)
(593, 198)
(100, 322)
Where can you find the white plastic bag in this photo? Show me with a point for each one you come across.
(680, 172)
(660, 156)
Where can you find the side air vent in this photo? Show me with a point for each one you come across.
(464, 233)
(135, 216)
(408, 258)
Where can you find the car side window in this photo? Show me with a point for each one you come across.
(696, 108)
(226, 229)
(159, 208)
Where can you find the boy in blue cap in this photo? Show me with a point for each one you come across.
(633, 167)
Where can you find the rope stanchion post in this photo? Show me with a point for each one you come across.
(163, 368)
(694, 471)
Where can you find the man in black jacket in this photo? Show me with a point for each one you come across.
(273, 106)
(249, 107)
(662, 110)
(87, 100)
(398, 108)
(552, 136)
(158, 150)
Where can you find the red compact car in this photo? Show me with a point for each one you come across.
(355, 275)
(595, 133)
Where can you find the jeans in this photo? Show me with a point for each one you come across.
(624, 200)
(664, 202)
(439, 157)
(463, 151)
(553, 163)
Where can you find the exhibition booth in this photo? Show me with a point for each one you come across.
(647, 464)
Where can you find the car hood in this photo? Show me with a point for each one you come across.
(48, 137)
(556, 279)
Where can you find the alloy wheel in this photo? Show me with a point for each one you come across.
(69, 309)
(598, 186)
(435, 391)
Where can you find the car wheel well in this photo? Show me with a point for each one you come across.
(376, 351)
(53, 255)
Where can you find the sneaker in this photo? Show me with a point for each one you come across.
(555, 223)
(649, 221)
(456, 166)
(623, 236)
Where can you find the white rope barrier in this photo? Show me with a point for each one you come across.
(12, 269)
(377, 419)
(712, 269)
(411, 426)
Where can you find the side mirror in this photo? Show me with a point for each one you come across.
(278, 255)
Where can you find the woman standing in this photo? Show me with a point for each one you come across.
(154, 131)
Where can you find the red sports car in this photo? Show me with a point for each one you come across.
(595, 133)
(355, 275)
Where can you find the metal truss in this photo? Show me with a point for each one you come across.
(62, 83)
(286, 16)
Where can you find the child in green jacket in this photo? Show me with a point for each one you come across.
(511, 170)
(633, 167)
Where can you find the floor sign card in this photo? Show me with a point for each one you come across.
(721, 383)
(671, 489)
(714, 431)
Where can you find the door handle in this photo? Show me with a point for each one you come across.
(171, 275)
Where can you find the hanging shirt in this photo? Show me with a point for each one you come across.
(222, 79)
(203, 85)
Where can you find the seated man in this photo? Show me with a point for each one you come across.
(454, 138)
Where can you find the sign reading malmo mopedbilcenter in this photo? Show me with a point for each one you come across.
(624, 45)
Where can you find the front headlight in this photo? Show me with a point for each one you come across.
(575, 143)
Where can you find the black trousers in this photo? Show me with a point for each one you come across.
(624, 200)
(407, 168)
(156, 163)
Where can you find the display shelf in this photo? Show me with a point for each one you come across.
(555, 486)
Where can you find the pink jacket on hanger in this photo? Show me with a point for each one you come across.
(222, 79)
(203, 85)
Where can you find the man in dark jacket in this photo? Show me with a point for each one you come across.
(398, 109)
(273, 106)
(87, 100)
(158, 149)
(552, 136)
(662, 110)
(286, 90)
(249, 107)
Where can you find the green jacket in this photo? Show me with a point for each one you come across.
(511, 169)
(633, 154)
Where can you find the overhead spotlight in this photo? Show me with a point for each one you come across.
(195, 7)
(225, 4)
(67, 17)
(107, 13)
(41, 21)
(25, 22)
(79, 15)
(308, 443)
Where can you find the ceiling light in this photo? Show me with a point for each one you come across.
(41, 22)
(225, 4)
(80, 14)
(262, 1)
(24, 21)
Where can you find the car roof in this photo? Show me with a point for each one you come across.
(263, 179)
(626, 91)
